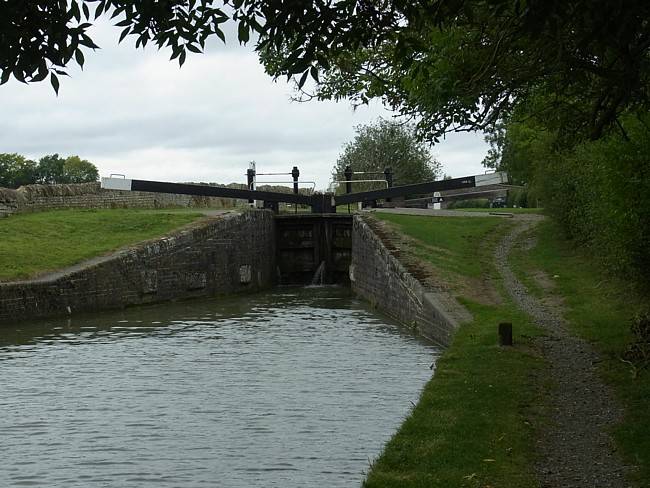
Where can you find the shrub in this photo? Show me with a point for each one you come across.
(600, 193)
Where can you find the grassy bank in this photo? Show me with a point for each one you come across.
(471, 426)
(32, 244)
(601, 310)
(475, 422)
(506, 210)
(451, 244)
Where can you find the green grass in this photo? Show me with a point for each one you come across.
(31, 244)
(449, 243)
(599, 308)
(475, 422)
(471, 425)
(506, 210)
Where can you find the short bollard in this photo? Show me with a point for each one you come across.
(505, 334)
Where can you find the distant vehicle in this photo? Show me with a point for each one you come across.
(498, 202)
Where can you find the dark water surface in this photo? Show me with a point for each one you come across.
(291, 388)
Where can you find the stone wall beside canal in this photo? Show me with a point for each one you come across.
(377, 276)
(231, 254)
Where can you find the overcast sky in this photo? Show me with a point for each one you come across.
(134, 112)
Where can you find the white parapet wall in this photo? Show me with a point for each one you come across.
(111, 183)
(497, 178)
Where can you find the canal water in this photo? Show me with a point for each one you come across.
(290, 388)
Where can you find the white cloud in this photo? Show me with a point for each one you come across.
(137, 113)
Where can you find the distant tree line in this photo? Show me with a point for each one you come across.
(17, 170)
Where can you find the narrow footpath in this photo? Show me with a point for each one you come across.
(575, 450)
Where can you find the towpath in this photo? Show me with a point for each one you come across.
(430, 212)
(574, 447)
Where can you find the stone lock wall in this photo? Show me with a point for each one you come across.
(89, 195)
(234, 253)
(378, 277)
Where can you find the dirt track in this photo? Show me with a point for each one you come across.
(574, 448)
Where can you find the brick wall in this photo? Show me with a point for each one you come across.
(235, 253)
(377, 276)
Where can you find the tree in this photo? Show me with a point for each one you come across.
(50, 169)
(16, 170)
(461, 65)
(77, 170)
(466, 65)
(384, 144)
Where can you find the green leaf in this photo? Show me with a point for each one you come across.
(176, 52)
(19, 75)
(100, 9)
(303, 79)
(42, 72)
(243, 33)
(314, 73)
(220, 34)
(55, 83)
(299, 66)
(79, 56)
(85, 40)
(5, 76)
(74, 10)
(124, 33)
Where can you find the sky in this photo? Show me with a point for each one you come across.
(136, 113)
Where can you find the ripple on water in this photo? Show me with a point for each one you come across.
(291, 388)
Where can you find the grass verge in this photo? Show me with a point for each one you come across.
(506, 210)
(31, 244)
(451, 244)
(470, 427)
(600, 309)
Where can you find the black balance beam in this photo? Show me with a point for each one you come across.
(203, 190)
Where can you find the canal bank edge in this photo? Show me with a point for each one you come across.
(230, 254)
(377, 276)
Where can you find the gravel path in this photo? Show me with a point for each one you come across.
(574, 448)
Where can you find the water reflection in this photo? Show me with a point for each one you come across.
(296, 387)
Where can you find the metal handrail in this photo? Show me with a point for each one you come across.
(270, 174)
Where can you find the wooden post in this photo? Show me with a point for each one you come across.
(505, 334)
